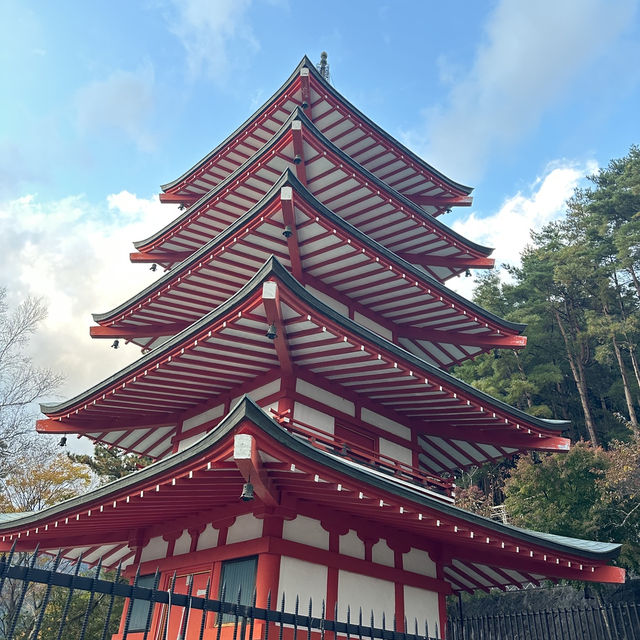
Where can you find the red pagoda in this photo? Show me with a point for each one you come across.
(293, 389)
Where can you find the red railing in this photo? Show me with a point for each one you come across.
(327, 441)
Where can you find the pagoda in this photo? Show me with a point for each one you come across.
(293, 390)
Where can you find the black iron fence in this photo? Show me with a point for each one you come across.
(43, 600)
(620, 621)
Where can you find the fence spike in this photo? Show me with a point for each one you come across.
(67, 604)
(47, 593)
(205, 608)
(92, 593)
(156, 582)
(112, 597)
(127, 619)
(23, 593)
(223, 592)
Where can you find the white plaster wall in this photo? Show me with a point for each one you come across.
(187, 442)
(351, 545)
(421, 605)
(303, 579)
(325, 397)
(265, 390)
(201, 418)
(154, 549)
(334, 304)
(183, 543)
(374, 326)
(358, 591)
(307, 531)
(395, 451)
(314, 417)
(246, 527)
(208, 538)
(419, 561)
(384, 423)
(382, 554)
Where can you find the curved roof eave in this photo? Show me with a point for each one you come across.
(298, 114)
(273, 267)
(288, 177)
(248, 409)
(306, 63)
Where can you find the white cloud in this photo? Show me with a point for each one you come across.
(207, 31)
(509, 229)
(74, 254)
(121, 103)
(530, 54)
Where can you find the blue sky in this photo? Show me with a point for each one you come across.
(103, 102)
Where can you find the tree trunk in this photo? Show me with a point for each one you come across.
(527, 395)
(627, 391)
(634, 277)
(577, 369)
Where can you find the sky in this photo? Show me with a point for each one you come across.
(102, 102)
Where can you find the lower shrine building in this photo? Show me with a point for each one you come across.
(293, 390)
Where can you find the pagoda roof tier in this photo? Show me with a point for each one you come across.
(328, 254)
(339, 183)
(203, 483)
(344, 125)
(234, 347)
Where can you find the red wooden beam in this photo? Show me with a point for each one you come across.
(446, 261)
(289, 215)
(271, 301)
(457, 337)
(180, 198)
(441, 201)
(247, 458)
(160, 256)
(128, 333)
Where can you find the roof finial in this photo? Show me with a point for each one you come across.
(323, 66)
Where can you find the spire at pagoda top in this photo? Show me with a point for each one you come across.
(344, 125)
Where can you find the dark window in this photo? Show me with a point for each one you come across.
(140, 608)
(238, 577)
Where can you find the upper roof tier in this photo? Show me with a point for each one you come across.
(341, 184)
(340, 122)
(327, 254)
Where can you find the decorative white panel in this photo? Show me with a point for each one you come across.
(154, 549)
(208, 538)
(351, 545)
(382, 554)
(246, 527)
(307, 531)
(419, 561)
(183, 544)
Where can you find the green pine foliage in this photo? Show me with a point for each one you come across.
(578, 290)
